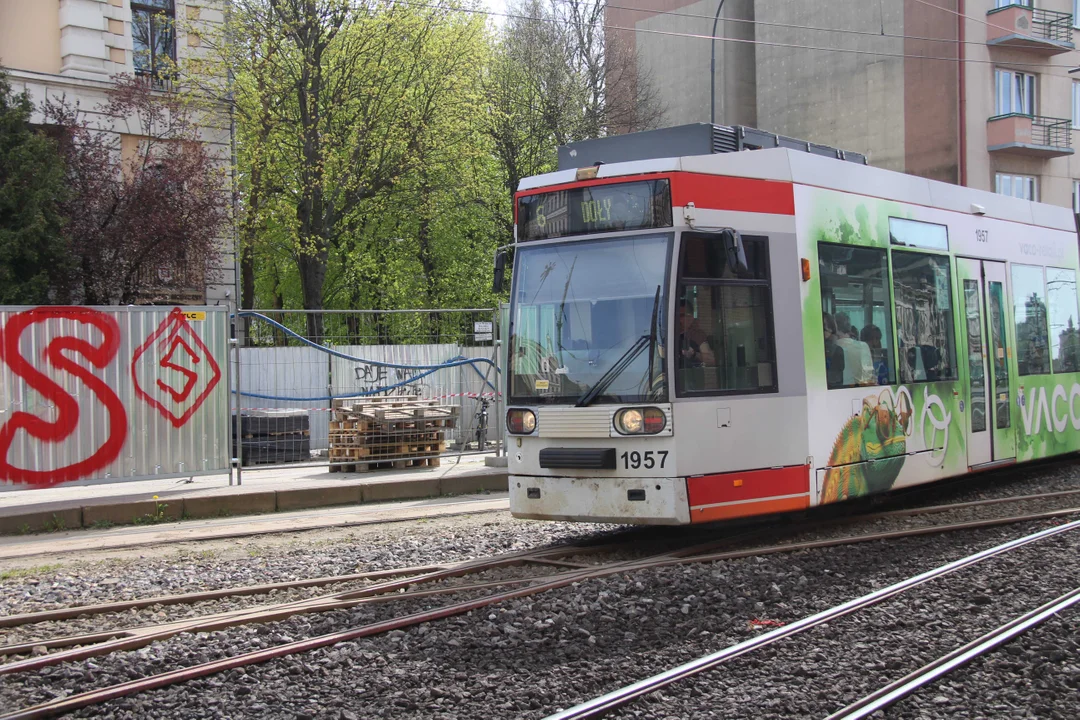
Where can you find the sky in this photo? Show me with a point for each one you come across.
(498, 6)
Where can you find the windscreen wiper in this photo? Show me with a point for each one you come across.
(625, 360)
(614, 371)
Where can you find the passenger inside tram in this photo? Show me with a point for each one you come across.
(871, 335)
(858, 361)
(694, 349)
(834, 354)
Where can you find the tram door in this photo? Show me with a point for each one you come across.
(982, 290)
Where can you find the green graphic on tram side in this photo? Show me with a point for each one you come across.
(1047, 418)
(872, 447)
(879, 433)
(848, 221)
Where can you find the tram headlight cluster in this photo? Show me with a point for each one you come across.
(640, 421)
(520, 422)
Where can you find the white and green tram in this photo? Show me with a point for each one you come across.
(720, 334)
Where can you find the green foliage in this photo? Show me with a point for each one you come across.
(368, 181)
(28, 572)
(33, 252)
(157, 516)
(379, 144)
(55, 524)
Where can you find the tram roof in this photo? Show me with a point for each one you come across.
(801, 168)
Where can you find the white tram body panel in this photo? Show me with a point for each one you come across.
(805, 434)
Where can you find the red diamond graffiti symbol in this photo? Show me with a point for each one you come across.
(184, 374)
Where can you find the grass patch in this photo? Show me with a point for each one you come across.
(158, 516)
(56, 524)
(28, 572)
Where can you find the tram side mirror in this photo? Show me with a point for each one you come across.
(736, 253)
(500, 272)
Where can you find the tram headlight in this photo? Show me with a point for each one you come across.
(640, 421)
(520, 422)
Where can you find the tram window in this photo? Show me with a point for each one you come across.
(724, 334)
(1064, 325)
(1029, 312)
(922, 292)
(856, 316)
(704, 257)
(912, 233)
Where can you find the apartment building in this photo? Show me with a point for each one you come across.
(975, 92)
(72, 48)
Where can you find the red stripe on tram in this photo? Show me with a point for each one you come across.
(752, 485)
(720, 192)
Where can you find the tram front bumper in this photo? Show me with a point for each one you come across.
(646, 501)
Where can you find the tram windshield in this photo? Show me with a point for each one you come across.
(589, 321)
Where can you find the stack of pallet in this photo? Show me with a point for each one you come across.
(371, 432)
(274, 436)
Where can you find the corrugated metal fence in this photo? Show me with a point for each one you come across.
(120, 393)
(296, 388)
(113, 393)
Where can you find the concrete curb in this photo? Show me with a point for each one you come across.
(64, 516)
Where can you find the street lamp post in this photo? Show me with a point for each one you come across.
(712, 66)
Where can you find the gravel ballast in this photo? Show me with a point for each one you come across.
(528, 657)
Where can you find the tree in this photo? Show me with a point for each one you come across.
(558, 77)
(33, 251)
(143, 218)
(339, 101)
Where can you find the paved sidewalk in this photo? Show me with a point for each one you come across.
(102, 504)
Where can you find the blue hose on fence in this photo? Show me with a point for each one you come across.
(453, 362)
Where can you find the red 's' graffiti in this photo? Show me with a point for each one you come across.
(169, 337)
(67, 407)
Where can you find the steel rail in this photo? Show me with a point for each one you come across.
(121, 639)
(75, 611)
(930, 672)
(600, 706)
(132, 639)
(212, 623)
(183, 674)
(932, 509)
(693, 554)
(67, 613)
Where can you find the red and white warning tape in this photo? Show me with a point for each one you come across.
(393, 397)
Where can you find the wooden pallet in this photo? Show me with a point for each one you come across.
(368, 433)
(383, 465)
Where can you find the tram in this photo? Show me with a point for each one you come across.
(699, 335)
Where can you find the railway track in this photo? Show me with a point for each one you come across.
(931, 672)
(556, 570)
(891, 693)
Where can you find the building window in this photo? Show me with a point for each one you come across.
(1018, 186)
(1007, 3)
(1014, 93)
(1029, 311)
(922, 291)
(856, 316)
(724, 320)
(1076, 191)
(153, 36)
(1064, 322)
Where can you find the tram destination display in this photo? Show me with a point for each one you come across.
(610, 207)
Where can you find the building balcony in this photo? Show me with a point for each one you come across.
(1043, 32)
(1030, 135)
